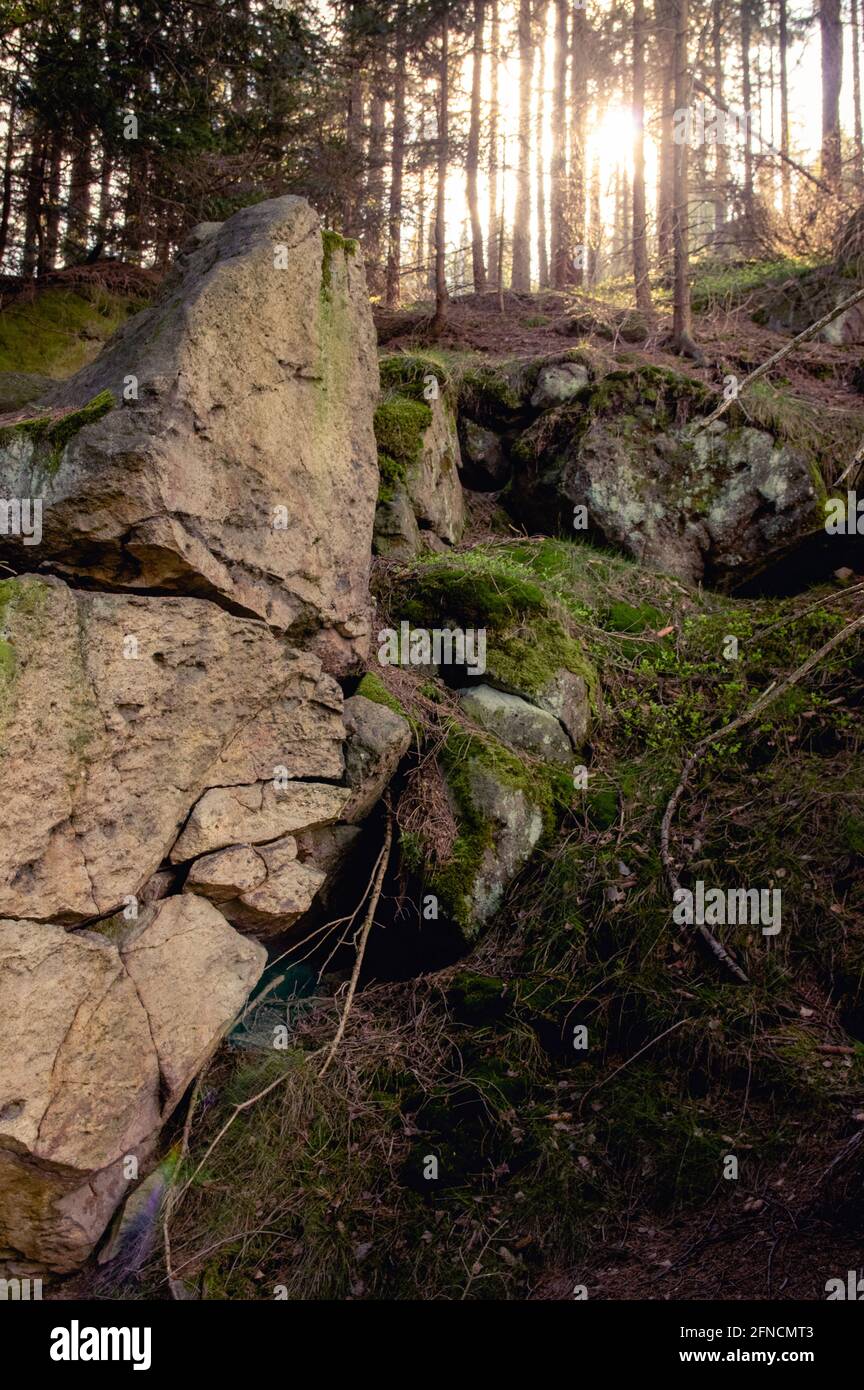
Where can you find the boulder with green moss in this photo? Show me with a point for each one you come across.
(717, 504)
(378, 739)
(237, 460)
(800, 300)
(506, 396)
(418, 457)
(503, 808)
(559, 383)
(529, 650)
(522, 726)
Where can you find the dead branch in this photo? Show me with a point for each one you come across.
(783, 352)
(764, 700)
(383, 860)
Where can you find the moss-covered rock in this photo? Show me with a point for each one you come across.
(521, 726)
(529, 651)
(45, 436)
(631, 460)
(503, 807)
(420, 495)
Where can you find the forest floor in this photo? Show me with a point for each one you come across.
(530, 325)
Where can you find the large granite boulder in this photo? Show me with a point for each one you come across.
(222, 444)
(116, 713)
(100, 1040)
(171, 730)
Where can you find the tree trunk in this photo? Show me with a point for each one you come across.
(595, 225)
(581, 38)
(785, 173)
(397, 170)
(78, 219)
(478, 267)
(746, 98)
(856, 98)
(52, 214)
(374, 195)
(540, 180)
(682, 325)
(492, 166)
(8, 157)
(104, 218)
(520, 274)
(420, 239)
(721, 157)
(353, 195)
(665, 192)
(559, 226)
(640, 224)
(439, 322)
(34, 186)
(831, 30)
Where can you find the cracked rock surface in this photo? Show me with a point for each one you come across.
(118, 712)
(100, 1040)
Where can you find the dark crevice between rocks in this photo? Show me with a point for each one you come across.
(815, 560)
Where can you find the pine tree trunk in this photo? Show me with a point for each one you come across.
(665, 191)
(831, 30)
(520, 274)
(559, 226)
(640, 223)
(420, 239)
(785, 175)
(375, 189)
(540, 181)
(682, 326)
(439, 322)
(721, 156)
(105, 177)
(856, 98)
(78, 219)
(34, 186)
(352, 201)
(8, 157)
(492, 166)
(478, 266)
(746, 98)
(397, 172)
(580, 61)
(53, 209)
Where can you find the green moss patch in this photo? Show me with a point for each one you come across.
(60, 330)
(51, 433)
(400, 424)
(333, 244)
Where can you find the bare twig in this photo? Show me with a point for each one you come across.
(762, 702)
(776, 357)
(383, 860)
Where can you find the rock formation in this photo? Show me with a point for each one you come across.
(171, 732)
